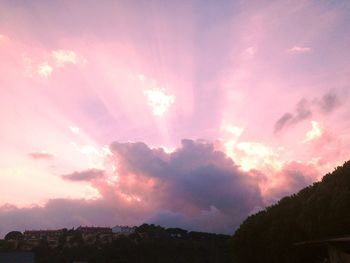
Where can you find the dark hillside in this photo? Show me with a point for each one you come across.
(316, 212)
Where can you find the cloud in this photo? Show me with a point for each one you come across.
(191, 180)
(65, 56)
(74, 129)
(325, 146)
(158, 100)
(290, 179)
(250, 51)
(299, 50)
(304, 109)
(315, 133)
(283, 121)
(231, 131)
(302, 112)
(329, 102)
(254, 155)
(41, 155)
(45, 70)
(61, 213)
(194, 186)
(86, 175)
(201, 222)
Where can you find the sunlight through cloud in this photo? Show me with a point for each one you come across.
(315, 133)
(74, 129)
(63, 56)
(158, 100)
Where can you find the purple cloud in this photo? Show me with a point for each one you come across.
(192, 180)
(329, 102)
(195, 187)
(305, 108)
(86, 175)
(302, 112)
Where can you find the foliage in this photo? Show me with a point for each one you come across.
(149, 243)
(14, 235)
(316, 212)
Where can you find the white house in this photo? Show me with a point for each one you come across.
(126, 230)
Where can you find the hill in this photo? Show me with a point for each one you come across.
(148, 243)
(319, 211)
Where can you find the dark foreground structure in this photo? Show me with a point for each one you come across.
(338, 249)
(16, 257)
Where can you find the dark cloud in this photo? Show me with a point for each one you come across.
(140, 159)
(86, 175)
(201, 222)
(41, 155)
(283, 121)
(329, 102)
(192, 180)
(195, 187)
(302, 112)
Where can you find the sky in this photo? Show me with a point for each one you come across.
(189, 113)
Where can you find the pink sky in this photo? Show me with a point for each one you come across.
(97, 96)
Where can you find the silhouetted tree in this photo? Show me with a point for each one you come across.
(318, 211)
(14, 235)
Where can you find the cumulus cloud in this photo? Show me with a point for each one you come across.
(254, 155)
(41, 155)
(195, 187)
(86, 175)
(192, 179)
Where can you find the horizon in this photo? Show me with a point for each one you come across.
(100, 226)
(190, 114)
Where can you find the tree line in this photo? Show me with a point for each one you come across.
(319, 211)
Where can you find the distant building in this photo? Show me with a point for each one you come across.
(41, 234)
(34, 237)
(125, 230)
(94, 230)
(92, 235)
